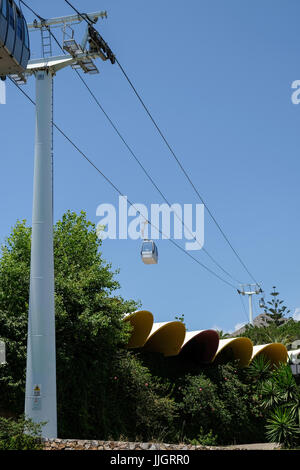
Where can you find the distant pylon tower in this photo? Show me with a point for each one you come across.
(250, 290)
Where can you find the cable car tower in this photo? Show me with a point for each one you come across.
(250, 290)
(40, 396)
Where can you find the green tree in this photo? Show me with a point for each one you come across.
(282, 427)
(89, 327)
(20, 434)
(106, 391)
(218, 400)
(285, 333)
(259, 370)
(278, 396)
(276, 310)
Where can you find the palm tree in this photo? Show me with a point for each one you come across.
(260, 369)
(282, 427)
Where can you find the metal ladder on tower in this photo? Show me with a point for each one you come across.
(46, 41)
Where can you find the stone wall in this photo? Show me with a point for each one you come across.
(76, 444)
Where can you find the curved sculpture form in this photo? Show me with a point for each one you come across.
(294, 354)
(274, 352)
(166, 338)
(200, 346)
(235, 348)
(142, 322)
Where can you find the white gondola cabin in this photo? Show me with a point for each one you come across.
(149, 252)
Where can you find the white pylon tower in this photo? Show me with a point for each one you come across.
(40, 395)
(250, 290)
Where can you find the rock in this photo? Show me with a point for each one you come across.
(145, 445)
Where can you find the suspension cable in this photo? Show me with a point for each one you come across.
(121, 194)
(127, 146)
(173, 154)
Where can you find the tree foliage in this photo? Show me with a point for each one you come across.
(275, 308)
(278, 395)
(20, 434)
(105, 391)
(89, 326)
(285, 333)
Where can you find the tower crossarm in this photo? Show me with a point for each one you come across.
(63, 20)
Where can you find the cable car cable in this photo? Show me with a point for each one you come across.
(183, 170)
(149, 176)
(32, 11)
(141, 165)
(129, 148)
(121, 194)
(84, 17)
(174, 154)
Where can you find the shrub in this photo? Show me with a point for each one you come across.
(204, 439)
(282, 427)
(105, 391)
(279, 397)
(243, 420)
(200, 406)
(259, 370)
(141, 403)
(89, 326)
(20, 434)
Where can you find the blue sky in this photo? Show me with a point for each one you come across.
(217, 78)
